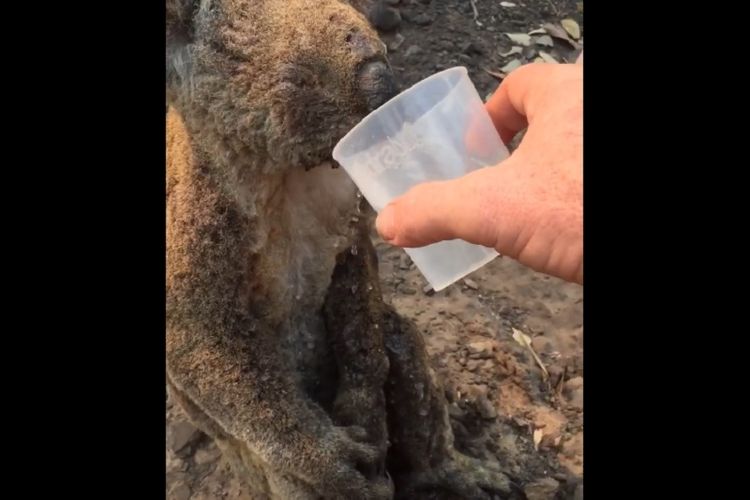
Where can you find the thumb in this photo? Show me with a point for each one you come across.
(462, 208)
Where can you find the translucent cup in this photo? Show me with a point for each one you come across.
(436, 130)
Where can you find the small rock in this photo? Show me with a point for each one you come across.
(542, 489)
(574, 383)
(181, 435)
(471, 283)
(541, 344)
(408, 290)
(471, 48)
(412, 51)
(428, 290)
(484, 347)
(174, 463)
(179, 491)
(486, 408)
(397, 41)
(405, 261)
(385, 18)
(472, 365)
(423, 19)
(207, 455)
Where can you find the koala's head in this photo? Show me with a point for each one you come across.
(281, 80)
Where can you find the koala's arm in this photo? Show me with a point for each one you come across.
(238, 383)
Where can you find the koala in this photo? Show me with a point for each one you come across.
(278, 343)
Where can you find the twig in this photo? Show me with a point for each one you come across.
(500, 76)
(476, 12)
(554, 7)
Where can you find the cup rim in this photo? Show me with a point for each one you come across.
(412, 89)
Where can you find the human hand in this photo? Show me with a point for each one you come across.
(530, 206)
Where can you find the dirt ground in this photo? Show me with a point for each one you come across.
(503, 406)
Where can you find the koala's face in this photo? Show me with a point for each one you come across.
(282, 79)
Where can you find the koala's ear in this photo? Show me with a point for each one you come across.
(180, 15)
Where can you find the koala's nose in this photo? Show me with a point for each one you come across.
(377, 84)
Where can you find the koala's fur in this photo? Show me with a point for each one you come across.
(278, 343)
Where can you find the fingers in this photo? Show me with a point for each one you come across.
(511, 106)
(446, 210)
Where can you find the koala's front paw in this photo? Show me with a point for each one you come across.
(466, 477)
(343, 456)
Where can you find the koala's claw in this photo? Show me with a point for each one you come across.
(348, 456)
(466, 477)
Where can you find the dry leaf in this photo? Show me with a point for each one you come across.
(572, 28)
(514, 64)
(521, 338)
(538, 435)
(520, 38)
(525, 341)
(538, 60)
(539, 31)
(507, 4)
(547, 58)
(545, 40)
(513, 50)
(559, 33)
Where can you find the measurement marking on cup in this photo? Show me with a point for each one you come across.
(391, 155)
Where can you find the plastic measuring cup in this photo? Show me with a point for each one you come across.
(436, 130)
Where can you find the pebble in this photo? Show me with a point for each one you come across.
(412, 51)
(179, 491)
(181, 435)
(486, 408)
(385, 18)
(423, 19)
(542, 489)
(471, 283)
(207, 455)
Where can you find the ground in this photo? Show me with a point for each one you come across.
(503, 405)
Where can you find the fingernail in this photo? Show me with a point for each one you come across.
(385, 225)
